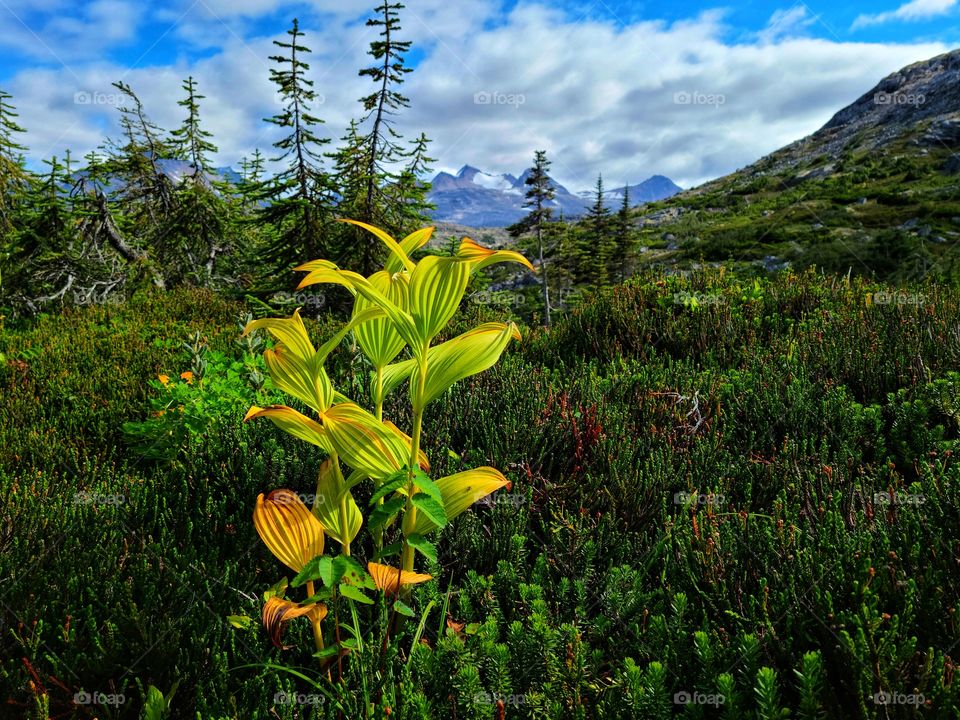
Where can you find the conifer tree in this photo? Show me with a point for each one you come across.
(190, 141)
(13, 183)
(623, 236)
(594, 250)
(540, 192)
(381, 180)
(295, 202)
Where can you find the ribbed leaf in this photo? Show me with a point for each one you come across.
(331, 489)
(364, 442)
(295, 376)
(293, 422)
(459, 492)
(410, 244)
(387, 240)
(379, 339)
(288, 528)
(277, 612)
(289, 331)
(480, 257)
(465, 355)
(357, 284)
(436, 289)
(390, 579)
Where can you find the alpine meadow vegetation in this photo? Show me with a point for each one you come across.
(282, 443)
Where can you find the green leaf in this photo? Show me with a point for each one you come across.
(355, 593)
(430, 508)
(428, 486)
(352, 572)
(403, 609)
(278, 589)
(427, 548)
(390, 485)
(241, 622)
(380, 516)
(319, 568)
(328, 652)
(391, 549)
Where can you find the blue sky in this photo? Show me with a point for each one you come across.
(691, 90)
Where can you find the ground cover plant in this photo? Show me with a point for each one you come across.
(719, 487)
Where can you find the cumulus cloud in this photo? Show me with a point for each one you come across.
(628, 99)
(912, 11)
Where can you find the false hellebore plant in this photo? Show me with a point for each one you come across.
(404, 306)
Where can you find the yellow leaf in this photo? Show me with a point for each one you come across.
(379, 339)
(387, 240)
(364, 442)
(460, 491)
(289, 331)
(436, 289)
(293, 422)
(331, 489)
(480, 257)
(288, 528)
(277, 612)
(410, 244)
(390, 579)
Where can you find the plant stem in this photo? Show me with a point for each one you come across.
(317, 630)
(378, 411)
(410, 512)
(344, 527)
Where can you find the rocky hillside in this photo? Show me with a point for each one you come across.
(876, 191)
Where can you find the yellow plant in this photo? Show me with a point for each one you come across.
(402, 307)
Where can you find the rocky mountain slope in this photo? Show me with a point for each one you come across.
(875, 191)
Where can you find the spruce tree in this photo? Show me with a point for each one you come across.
(196, 234)
(623, 236)
(540, 192)
(595, 247)
(295, 201)
(13, 184)
(381, 184)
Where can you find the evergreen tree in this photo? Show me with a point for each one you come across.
(196, 233)
(594, 250)
(540, 192)
(381, 180)
(623, 236)
(190, 141)
(13, 183)
(295, 202)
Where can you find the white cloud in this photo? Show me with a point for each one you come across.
(911, 11)
(785, 23)
(598, 96)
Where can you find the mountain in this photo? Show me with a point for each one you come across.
(652, 189)
(479, 199)
(875, 191)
